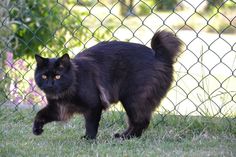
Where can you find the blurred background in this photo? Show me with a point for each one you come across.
(205, 82)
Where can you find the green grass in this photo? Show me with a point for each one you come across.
(2, 93)
(171, 136)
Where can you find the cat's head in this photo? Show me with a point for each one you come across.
(54, 76)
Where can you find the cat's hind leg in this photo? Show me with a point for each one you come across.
(139, 114)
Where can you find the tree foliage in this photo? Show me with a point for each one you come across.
(44, 27)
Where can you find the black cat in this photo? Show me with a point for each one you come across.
(135, 75)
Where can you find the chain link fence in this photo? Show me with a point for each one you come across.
(205, 82)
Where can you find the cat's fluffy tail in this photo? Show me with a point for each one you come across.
(166, 44)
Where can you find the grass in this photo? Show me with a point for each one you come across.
(171, 136)
(2, 94)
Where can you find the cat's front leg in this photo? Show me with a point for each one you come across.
(92, 119)
(44, 116)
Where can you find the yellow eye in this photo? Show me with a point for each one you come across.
(44, 77)
(57, 77)
(61, 66)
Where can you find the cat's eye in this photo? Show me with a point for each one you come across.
(57, 77)
(44, 77)
(61, 66)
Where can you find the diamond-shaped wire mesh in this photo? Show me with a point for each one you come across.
(205, 82)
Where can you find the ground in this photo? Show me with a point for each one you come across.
(171, 136)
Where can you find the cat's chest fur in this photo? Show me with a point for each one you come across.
(66, 107)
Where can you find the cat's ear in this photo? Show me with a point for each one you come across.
(65, 60)
(40, 60)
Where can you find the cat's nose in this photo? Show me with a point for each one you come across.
(49, 89)
(50, 86)
(50, 83)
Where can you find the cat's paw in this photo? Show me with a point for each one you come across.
(123, 136)
(38, 127)
(117, 135)
(37, 131)
(120, 136)
(87, 137)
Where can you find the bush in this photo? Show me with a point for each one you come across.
(146, 7)
(49, 28)
(166, 5)
(44, 26)
(216, 4)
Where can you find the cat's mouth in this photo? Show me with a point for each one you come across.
(55, 93)
(50, 91)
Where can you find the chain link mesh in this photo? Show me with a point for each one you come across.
(205, 82)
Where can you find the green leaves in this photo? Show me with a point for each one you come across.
(43, 27)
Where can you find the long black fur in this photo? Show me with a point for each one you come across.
(135, 75)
